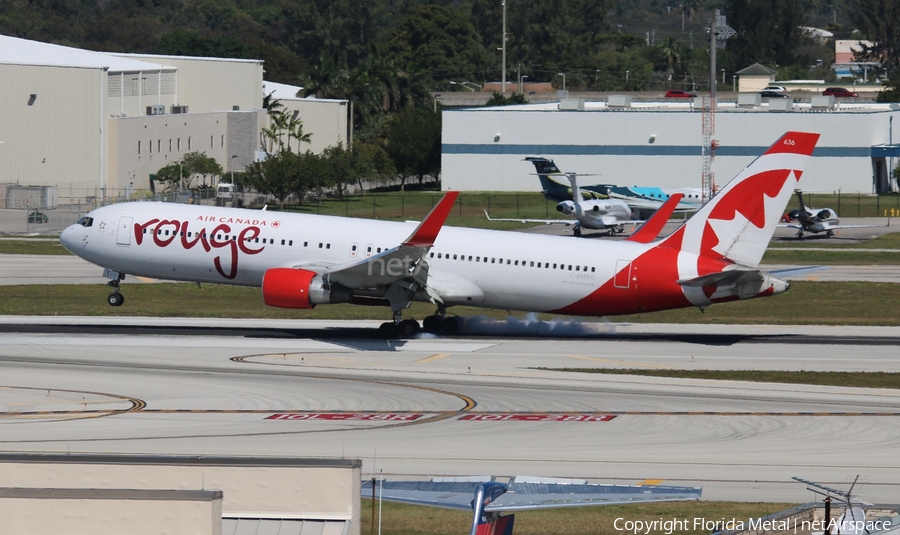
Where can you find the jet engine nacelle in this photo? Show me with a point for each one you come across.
(825, 214)
(566, 207)
(299, 288)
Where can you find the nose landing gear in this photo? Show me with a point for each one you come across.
(115, 299)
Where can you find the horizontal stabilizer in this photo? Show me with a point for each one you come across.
(724, 278)
(527, 495)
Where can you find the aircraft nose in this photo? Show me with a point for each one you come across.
(70, 237)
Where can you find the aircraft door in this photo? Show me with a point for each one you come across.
(123, 233)
(623, 274)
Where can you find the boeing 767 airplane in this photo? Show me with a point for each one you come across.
(300, 261)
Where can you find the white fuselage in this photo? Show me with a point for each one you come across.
(486, 268)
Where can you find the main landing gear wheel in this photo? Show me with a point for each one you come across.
(433, 324)
(408, 328)
(577, 232)
(451, 325)
(388, 330)
(115, 299)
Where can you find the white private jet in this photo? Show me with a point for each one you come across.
(815, 220)
(301, 260)
(595, 214)
(643, 200)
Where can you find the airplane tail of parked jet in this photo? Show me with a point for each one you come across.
(553, 182)
(737, 224)
(816, 220)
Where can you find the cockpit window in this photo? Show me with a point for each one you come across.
(85, 221)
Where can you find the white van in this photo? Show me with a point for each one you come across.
(225, 191)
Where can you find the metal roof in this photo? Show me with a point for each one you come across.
(289, 92)
(15, 51)
(183, 460)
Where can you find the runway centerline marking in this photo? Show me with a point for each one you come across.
(433, 358)
(625, 362)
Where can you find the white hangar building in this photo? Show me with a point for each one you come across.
(659, 143)
(98, 124)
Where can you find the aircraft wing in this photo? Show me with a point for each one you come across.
(635, 202)
(523, 494)
(829, 226)
(401, 262)
(565, 222)
(436, 493)
(651, 229)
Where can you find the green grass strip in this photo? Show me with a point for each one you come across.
(824, 303)
(856, 379)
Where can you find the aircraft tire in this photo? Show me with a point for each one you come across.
(432, 324)
(388, 330)
(408, 328)
(115, 299)
(451, 325)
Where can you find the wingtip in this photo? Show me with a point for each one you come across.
(427, 231)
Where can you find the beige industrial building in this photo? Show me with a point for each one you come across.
(96, 125)
(76, 493)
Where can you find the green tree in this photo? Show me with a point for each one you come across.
(199, 164)
(275, 175)
(371, 162)
(878, 20)
(181, 175)
(438, 40)
(499, 100)
(170, 176)
(414, 143)
(768, 31)
(338, 169)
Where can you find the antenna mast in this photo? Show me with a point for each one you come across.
(719, 31)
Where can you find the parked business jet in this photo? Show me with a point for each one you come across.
(814, 220)
(594, 214)
(643, 200)
(301, 260)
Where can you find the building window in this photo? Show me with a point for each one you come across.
(179, 144)
(223, 141)
(211, 138)
(190, 142)
(139, 147)
(158, 145)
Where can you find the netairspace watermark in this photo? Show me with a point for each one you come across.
(669, 526)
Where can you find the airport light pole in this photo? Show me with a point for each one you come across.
(564, 80)
(503, 46)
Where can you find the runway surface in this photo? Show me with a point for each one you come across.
(474, 404)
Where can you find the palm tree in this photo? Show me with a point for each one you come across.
(672, 50)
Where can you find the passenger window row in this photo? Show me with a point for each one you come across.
(232, 237)
(523, 263)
